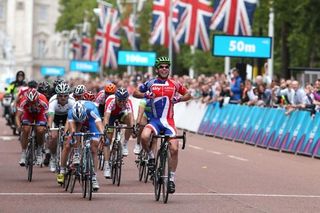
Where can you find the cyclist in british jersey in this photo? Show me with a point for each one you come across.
(32, 109)
(163, 94)
(118, 107)
(102, 96)
(82, 113)
(57, 115)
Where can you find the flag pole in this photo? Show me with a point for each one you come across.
(271, 34)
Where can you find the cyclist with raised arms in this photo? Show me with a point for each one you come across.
(82, 113)
(57, 115)
(32, 109)
(117, 107)
(163, 94)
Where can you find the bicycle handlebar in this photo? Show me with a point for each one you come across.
(167, 137)
(87, 134)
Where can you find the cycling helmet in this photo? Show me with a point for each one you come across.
(162, 60)
(80, 90)
(89, 96)
(32, 95)
(110, 88)
(56, 82)
(79, 112)
(43, 87)
(62, 88)
(32, 84)
(122, 94)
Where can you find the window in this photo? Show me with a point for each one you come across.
(41, 48)
(2, 11)
(43, 13)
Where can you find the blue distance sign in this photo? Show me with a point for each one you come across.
(242, 46)
(136, 58)
(84, 66)
(52, 71)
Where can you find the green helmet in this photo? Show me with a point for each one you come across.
(162, 60)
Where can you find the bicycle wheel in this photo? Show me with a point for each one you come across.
(146, 169)
(165, 175)
(30, 158)
(157, 177)
(67, 178)
(89, 174)
(101, 161)
(119, 164)
(113, 160)
(83, 170)
(141, 165)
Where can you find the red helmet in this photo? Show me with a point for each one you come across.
(89, 96)
(110, 88)
(32, 95)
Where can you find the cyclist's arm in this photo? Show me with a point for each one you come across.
(185, 97)
(50, 118)
(106, 118)
(140, 113)
(18, 118)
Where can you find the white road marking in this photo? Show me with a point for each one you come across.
(195, 147)
(150, 194)
(214, 152)
(7, 138)
(237, 158)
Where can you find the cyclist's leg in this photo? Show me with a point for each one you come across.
(25, 131)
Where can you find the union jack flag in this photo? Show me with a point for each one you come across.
(233, 17)
(75, 49)
(194, 22)
(160, 28)
(110, 33)
(128, 27)
(86, 48)
(98, 40)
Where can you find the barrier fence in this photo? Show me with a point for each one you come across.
(263, 127)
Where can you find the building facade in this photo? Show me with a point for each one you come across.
(29, 40)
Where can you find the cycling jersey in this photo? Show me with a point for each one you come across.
(34, 112)
(164, 91)
(114, 109)
(100, 101)
(91, 119)
(57, 109)
(162, 106)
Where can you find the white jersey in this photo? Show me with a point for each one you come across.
(57, 109)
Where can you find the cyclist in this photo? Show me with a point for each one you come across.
(44, 88)
(102, 95)
(57, 115)
(33, 108)
(79, 91)
(82, 113)
(163, 94)
(117, 107)
(143, 118)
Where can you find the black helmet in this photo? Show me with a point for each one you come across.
(32, 84)
(122, 94)
(43, 87)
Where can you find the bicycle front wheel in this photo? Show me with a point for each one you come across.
(30, 158)
(119, 165)
(165, 176)
(89, 174)
(157, 178)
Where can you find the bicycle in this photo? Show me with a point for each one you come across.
(161, 174)
(116, 157)
(59, 147)
(31, 149)
(86, 163)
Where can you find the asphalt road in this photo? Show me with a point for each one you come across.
(213, 176)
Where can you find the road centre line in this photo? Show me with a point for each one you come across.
(237, 158)
(150, 194)
(214, 152)
(195, 147)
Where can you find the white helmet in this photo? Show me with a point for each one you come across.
(80, 89)
(62, 88)
(79, 112)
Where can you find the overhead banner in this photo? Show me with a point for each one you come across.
(242, 46)
(136, 58)
(84, 66)
(52, 71)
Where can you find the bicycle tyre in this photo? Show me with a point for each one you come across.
(30, 158)
(113, 160)
(146, 169)
(141, 165)
(165, 175)
(67, 178)
(83, 175)
(89, 174)
(119, 164)
(157, 178)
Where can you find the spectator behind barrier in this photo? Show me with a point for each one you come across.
(299, 98)
(235, 87)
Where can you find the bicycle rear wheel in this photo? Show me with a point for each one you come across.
(30, 158)
(141, 165)
(113, 160)
(83, 175)
(157, 177)
(165, 175)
